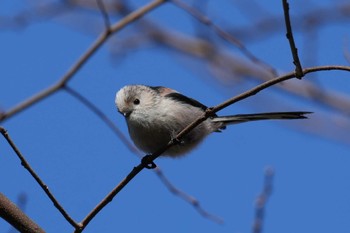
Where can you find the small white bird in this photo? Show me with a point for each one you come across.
(155, 115)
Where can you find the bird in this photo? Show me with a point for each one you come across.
(155, 115)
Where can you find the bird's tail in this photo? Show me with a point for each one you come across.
(240, 118)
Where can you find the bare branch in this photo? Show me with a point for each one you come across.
(26, 165)
(15, 216)
(317, 18)
(110, 29)
(103, 118)
(223, 34)
(194, 202)
(109, 197)
(262, 199)
(298, 68)
(273, 82)
(234, 68)
(83, 59)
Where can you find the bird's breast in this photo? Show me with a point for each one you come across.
(148, 136)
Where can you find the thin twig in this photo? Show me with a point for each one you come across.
(272, 82)
(194, 202)
(262, 199)
(109, 197)
(103, 117)
(222, 33)
(83, 59)
(298, 68)
(104, 13)
(26, 165)
(185, 131)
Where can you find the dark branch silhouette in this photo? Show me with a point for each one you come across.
(216, 57)
(44, 187)
(298, 68)
(15, 216)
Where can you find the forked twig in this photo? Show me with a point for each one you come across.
(83, 59)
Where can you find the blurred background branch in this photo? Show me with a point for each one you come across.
(229, 55)
(227, 69)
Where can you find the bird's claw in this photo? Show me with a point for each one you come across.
(148, 162)
(175, 141)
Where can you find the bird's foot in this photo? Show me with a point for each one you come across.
(148, 162)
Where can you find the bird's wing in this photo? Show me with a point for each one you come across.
(163, 91)
(170, 93)
(186, 100)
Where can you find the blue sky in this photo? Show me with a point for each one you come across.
(81, 160)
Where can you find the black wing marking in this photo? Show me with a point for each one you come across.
(186, 100)
(162, 90)
(156, 88)
(179, 97)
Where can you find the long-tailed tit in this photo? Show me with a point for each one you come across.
(155, 115)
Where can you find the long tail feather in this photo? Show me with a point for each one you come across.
(240, 118)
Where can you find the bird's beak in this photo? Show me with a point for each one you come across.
(125, 114)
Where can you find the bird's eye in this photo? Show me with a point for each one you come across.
(136, 101)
